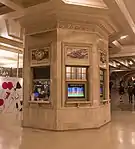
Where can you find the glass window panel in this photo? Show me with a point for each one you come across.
(9, 64)
(79, 73)
(102, 85)
(76, 73)
(101, 72)
(73, 75)
(68, 69)
(84, 70)
(79, 76)
(84, 76)
(74, 69)
(79, 70)
(101, 78)
(68, 75)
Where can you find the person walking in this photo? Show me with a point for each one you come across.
(121, 92)
(130, 94)
(110, 87)
(133, 91)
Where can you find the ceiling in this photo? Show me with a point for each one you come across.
(130, 4)
(125, 41)
(28, 3)
(120, 60)
(4, 9)
(121, 12)
(122, 63)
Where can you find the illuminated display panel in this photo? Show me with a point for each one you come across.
(76, 90)
(41, 89)
(76, 83)
(41, 83)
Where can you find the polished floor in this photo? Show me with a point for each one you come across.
(119, 134)
(124, 105)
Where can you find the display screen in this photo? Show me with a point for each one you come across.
(76, 90)
(101, 91)
(41, 89)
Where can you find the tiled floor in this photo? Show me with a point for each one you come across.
(119, 134)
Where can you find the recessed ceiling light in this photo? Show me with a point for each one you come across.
(123, 37)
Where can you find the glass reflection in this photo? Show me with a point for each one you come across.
(76, 73)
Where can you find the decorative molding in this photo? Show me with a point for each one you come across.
(40, 56)
(76, 53)
(103, 58)
(41, 32)
(15, 44)
(14, 29)
(101, 26)
(76, 26)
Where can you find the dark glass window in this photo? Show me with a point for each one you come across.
(41, 72)
(102, 84)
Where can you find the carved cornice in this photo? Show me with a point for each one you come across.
(96, 27)
(76, 26)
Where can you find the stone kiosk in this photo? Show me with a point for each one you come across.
(66, 71)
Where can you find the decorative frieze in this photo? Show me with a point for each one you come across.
(103, 59)
(40, 56)
(77, 53)
(75, 26)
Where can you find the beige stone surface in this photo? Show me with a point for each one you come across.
(119, 134)
(83, 118)
(57, 33)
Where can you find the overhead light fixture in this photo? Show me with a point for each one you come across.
(130, 63)
(88, 3)
(133, 78)
(123, 37)
(117, 44)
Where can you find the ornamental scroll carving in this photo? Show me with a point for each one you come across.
(103, 59)
(40, 56)
(74, 26)
(77, 53)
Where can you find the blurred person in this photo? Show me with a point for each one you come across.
(130, 93)
(121, 92)
(133, 91)
(110, 87)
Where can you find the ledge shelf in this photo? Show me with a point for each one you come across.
(39, 102)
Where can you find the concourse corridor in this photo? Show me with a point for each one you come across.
(121, 106)
(119, 134)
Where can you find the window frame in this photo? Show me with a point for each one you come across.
(77, 81)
